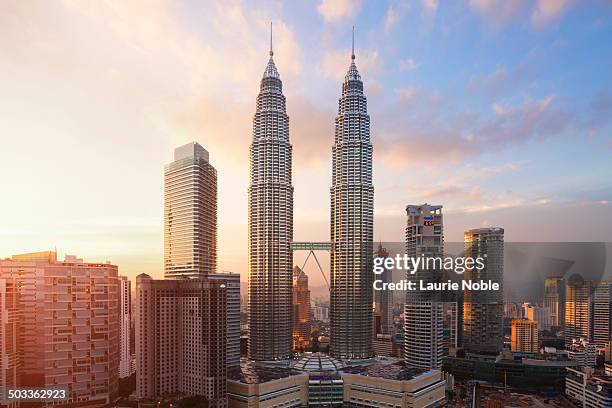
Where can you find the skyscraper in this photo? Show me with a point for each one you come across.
(352, 224)
(126, 367)
(602, 306)
(383, 300)
(524, 336)
(578, 310)
(181, 343)
(424, 310)
(270, 223)
(554, 299)
(190, 214)
(483, 310)
(301, 310)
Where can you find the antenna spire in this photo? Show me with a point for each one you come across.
(271, 52)
(353, 48)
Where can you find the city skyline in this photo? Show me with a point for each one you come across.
(415, 60)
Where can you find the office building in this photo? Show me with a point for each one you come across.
(538, 314)
(554, 299)
(351, 224)
(301, 310)
(602, 308)
(524, 336)
(383, 300)
(66, 316)
(270, 223)
(483, 310)
(232, 284)
(424, 310)
(11, 315)
(583, 352)
(578, 309)
(126, 364)
(181, 343)
(190, 214)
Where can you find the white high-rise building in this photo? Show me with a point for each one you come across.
(190, 214)
(352, 224)
(270, 223)
(602, 308)
(126, 365)
(424, 310)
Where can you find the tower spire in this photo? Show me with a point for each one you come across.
(271, 52)
(353, 48)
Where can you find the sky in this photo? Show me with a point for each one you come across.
(499, 110)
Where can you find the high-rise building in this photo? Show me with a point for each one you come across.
(301, 310)
(602, 308)
(583, 352)
(554, 299)
(66, 315)
(232, 283)
(424, 310)
(126, 366)
(483, 310)
(11, 315)
(524, 336)
(383, 300)
(352, 224)
(578, 309)
(270, 223)
(538, 314)
(181, 343)
(190, 214)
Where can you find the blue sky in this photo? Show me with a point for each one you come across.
(499, 110)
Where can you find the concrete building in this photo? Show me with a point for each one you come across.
(301, 310)
(126, 366)
(66, 316)
(578, 309)
(393, 385)
(351, 224)
(190, 214)
(11, 320)
(554, 299)
(538, 314)
(250, 385)
(318, 380)
(232, 284)
(383, 301)
(270, 223)
(424, 310)
(483, 310)
(181, 345)
(583, 352)
(524, 336)
(602, 316)
(588, 389)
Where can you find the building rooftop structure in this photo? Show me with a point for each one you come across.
(318, 362)
(253, 373)
(396, 370)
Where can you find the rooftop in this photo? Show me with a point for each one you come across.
(397, 371)
(251, 373)
(318, 362)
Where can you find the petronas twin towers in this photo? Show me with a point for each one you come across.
(271, 224)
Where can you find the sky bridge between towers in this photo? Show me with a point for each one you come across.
(312, 247)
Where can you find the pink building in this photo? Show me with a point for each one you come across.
(67, 328)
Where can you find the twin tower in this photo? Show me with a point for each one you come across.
(270, 255)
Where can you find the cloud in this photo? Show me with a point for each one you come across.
(334, 11)
(436, 130)
(391, 18)
(506, 80)
(548, 12)
(498, 13)
(407, 64)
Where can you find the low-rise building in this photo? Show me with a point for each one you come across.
(588, 389)
(583, 352)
